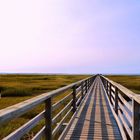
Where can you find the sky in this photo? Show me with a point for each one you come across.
(70, 36)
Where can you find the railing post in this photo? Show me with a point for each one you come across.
(135, 121)
(116, 100)
(104, 82)
(48, 119)
(92, 79)
(107, 86)
(86, 86)
(88, 83)
(110, 92)
(74, 98)
(82, 89)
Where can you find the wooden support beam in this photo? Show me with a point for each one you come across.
(82, 89)
(110, 92)
(136, 121)
(74, 98)
(86, 86)
(107, 87)
(116, 100)
(48, 119)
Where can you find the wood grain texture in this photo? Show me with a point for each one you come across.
(94, 120)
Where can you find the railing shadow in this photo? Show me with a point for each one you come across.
(111, 117)
(80, 123)
(90, 127)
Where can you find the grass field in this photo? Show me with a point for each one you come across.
(132, 82)
(17, 88)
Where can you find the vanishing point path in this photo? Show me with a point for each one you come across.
(95, 108)
(94, 119)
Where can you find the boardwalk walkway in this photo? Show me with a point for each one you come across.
(94, 119)
(93, 108)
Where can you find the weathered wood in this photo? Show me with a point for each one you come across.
(127, 104)
(86, 86)
(113, 94)
(62, 112)
(17, 134)
(88, 83)
(58, 127)
(136, 121)
(107, 86)
(124, 90)
(112, 101)
(82, 90)
(78, 89)
(125, 110)
(21, 108)
(62, 136)
(123, 134)
(48, 119)
(110, 92)
(116, 100)
(74, 98)
(79, 101)
(78, 95)
(94, 118)
(127, 115)
(125, 125)
(40, 134)
(113, 89)
(116, 94)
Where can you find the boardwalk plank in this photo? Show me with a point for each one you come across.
(95, 119)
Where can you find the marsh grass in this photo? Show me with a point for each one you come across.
(15, 92)
(28, 86)
(17, 88)
(132, 82)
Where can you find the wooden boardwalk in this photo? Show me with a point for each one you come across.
(93, 108)
(94, 119)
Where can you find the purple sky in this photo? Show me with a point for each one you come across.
(70, 36)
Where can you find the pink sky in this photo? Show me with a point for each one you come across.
(59, 36)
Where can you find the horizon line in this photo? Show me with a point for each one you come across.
(42, 73)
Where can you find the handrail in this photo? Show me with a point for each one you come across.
(21, 108)
(126, 91)
(125, 106)
(81, 88)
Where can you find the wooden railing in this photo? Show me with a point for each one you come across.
(126, 108)
(72, 100)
